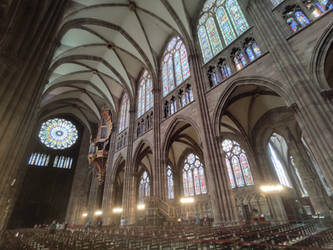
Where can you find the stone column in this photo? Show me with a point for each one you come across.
(108, 186)
(129, 185)
(93, 195)
(79, 193)
(313, 114)
(26, 49)
(222, 200)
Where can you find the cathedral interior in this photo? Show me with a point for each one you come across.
(175, 124)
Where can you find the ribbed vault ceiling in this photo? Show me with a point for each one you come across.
(105, 45)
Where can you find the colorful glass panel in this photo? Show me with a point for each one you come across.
(202, 180)
(185, 65)
(301, 18)
(256, 49)
(165, 79)
(325, 4)
(246, 169)
(171, 82)
(178, 68)
(58, 133)
(208, 4)
(292, 24)
(231, 177)
(214, 38)
(225, 26)
(190, 183)
(193, 176)
(124, 113)
(242, 58)
(204, 44)
(237, 172)
(227, 145)
(237, 16)
(250, 54)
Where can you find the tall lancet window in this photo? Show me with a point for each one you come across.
(144, 187)
(145, 96)
(171, 194)
(124, 113)
(238, 166)
(175, 67)
(278, 148)
(220, 23)
(194, 181)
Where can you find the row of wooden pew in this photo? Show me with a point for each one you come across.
(283, 236)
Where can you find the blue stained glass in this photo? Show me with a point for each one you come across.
(171, 82)
(226, 71)
(326, 5)
(190, 183)
(178, 68)
(246, 169)
(149, 95)
(214, 38)
(165, 79)
(256, 49)
(139, 102)
(237, 171)
(292, 24)
(250, 54)
(242, 58)
(186, 67)
(225, 26)
(237, 16)
(301, 18)
(204, 44)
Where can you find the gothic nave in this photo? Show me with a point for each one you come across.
(149, 123)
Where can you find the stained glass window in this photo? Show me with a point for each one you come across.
(175, 67)
(277, 148)
(252, 50)
(171, 194)
(37, 159)
(144, 186)
(237, 16)
(224, 70)
(239, 60)
(213, 36)
(194, 181)
(205, 47)
(230, 19)
(62, 162)
(124, 113)
(58, 133)
(292, 24)
(145, 96)
(295, 18)
(301, 18)
(238, 167)
(225, 25)
(279, 168)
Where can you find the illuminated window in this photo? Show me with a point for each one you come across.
(276, 2)
(277, 147)
(124, 113)
(238, 166)
(144, 186)
(40, 160)
(225, 15)
(175, 67)
(58, 133)
(145, 96)
(171, 194)
(318, 7)
(295, 18)
(194, 181)
(63, 162)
